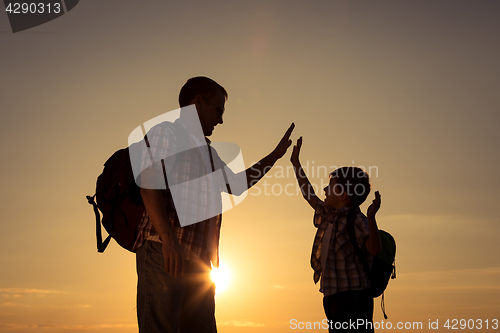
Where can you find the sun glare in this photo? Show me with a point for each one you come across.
(221, 277)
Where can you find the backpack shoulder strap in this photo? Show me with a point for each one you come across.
(101, 246)
(351, 217)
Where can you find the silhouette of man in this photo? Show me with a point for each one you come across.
(175, 292)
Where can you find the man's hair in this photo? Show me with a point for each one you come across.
(200, 85)
(355, 182)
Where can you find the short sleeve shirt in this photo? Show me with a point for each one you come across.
(342, 269)
(199, 239)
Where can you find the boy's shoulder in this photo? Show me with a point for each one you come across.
(322, 214)
(361, 225)
(360, 215)
(361, 218)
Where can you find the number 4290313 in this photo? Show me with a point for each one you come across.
(471, 324)
(33, 8)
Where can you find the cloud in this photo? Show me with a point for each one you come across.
(14, 294)
(10, 304)
(76, 306)
(491, 272)
(57, 307)
(241, 323)
(455, 288)
(35, 327)
(27, 291)
(277, 286)
(457, 279)
(18, 293)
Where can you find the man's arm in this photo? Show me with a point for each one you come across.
(259, 169)
(373, 243)
(154, 203)
(304, 184)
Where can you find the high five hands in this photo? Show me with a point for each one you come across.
(294, 158)
(284, 143)
(304, 183)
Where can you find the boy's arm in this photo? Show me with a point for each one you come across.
(373, 243)
(304, 184)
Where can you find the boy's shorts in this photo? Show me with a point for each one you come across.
(349, 311)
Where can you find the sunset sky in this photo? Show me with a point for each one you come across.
(407, 89)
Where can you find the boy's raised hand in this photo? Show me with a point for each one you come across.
(294, 158)
(375, 206)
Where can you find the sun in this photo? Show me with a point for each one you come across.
(221, 276)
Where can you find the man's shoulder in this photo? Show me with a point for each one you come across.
(165, 126)
(161, 131)
(171, 132)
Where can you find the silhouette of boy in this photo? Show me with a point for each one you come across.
(344, 283)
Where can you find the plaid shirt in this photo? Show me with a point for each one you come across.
(194, 238)
(344, 270)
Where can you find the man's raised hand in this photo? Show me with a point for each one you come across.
(285, 142)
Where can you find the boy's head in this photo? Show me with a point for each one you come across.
(349, 186)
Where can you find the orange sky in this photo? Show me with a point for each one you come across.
(408, 88)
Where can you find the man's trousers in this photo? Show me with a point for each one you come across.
(173, 305)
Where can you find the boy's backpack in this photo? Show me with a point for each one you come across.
(384, 264)
(119, 199)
